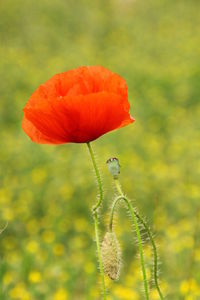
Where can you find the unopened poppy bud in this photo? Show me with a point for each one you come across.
(111, 256)
(113, 166)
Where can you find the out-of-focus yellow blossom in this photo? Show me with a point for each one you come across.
(19, 292)
(8, 278)
(108, 282)
(94, 293)
(172, 231)
(184, 287)
(32, 247)
(190, 297)
(154, 294)
(60, 294)
(189, 287)
(35, 277)
(125, 293)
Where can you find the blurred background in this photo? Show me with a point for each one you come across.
(47, 251)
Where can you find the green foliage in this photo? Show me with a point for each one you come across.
(46, 192)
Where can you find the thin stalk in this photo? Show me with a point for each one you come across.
(155, 270)
(97, 176)
(134, 219)
(148, 231)
(95, 215)
(113, 211)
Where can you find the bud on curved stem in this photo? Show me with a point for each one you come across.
(134, 219)
(147, 229)
(113, 165)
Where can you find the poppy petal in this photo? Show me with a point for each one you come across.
(77, 106)
(36, 135)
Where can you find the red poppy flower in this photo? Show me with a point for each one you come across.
(77, 106)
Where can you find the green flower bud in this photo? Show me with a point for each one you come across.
(111, 255)
(113, 167)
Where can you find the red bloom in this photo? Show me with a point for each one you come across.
(77, 106)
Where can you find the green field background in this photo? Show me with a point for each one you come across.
(47, 251)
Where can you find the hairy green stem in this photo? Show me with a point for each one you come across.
(97, 176)
(95, 215)
(148, 231)
(155, 269)
(134, 218)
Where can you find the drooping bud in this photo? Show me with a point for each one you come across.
(111, 255)
(113, 166)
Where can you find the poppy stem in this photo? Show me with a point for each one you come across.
(95, 215)
(98, 177)
(134, 219)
